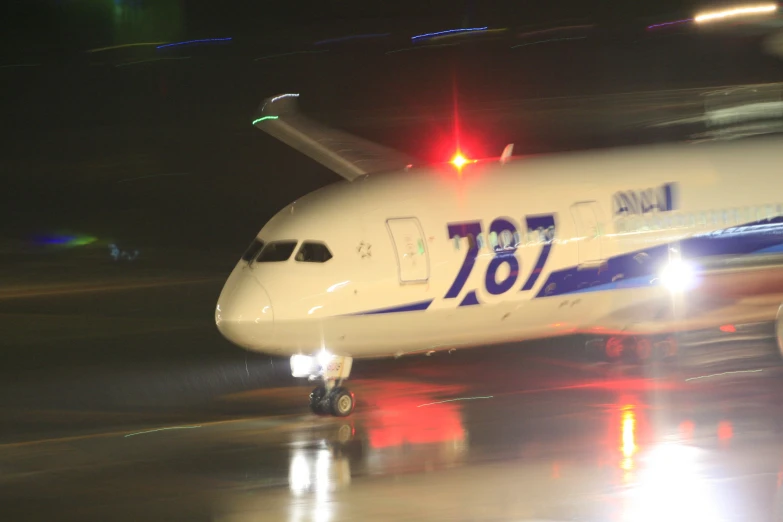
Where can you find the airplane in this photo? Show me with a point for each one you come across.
(626, 246)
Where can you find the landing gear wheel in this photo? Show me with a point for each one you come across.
(341, 402)
(317, 403)
(644, 348)
(614, 347)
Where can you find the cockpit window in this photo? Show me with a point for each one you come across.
(276, 251)
(253, 250)
(312, 252)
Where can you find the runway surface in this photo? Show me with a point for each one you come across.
(524, 432)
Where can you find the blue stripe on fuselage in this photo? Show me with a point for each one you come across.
(410, 307)
(640, 268)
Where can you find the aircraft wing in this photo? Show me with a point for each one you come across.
(347, 155)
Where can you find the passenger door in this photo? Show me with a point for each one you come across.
(411, 248)
(590, 226)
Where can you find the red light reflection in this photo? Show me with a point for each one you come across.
(686, 430)
(725, 430)
(406, 414)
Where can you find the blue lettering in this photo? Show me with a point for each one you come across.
(638, 202)
(505, 239)
(546, 226)
(505, 253)
(471, 230)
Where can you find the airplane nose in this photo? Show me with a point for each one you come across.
(244, 313)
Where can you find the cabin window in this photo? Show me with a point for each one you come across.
(313, 252)
(506, 240)
(472, 242)
(253, 250)
(276, 251)
(493, 240)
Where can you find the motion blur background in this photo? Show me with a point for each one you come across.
(132, 180)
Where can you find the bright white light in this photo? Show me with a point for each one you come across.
(672, 486)
(324, 357)
(678, 276)
(737, 11)
(302, 365)
(299, 473)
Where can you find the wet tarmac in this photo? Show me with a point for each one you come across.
(523, 432)
(454, 445)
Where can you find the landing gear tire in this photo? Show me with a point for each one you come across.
(341, 401)
(615, 347)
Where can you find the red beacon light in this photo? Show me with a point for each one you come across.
(459, 160)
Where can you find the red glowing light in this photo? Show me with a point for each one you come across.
(725, 430)
(459, 160)
(728, 328)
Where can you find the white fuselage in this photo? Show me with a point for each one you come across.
(558, 244)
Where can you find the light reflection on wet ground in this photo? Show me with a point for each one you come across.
(419, 449)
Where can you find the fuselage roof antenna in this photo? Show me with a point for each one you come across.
(507, 153)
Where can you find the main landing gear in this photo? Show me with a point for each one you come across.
(330, 397)
(640, 349)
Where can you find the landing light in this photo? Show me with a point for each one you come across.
(678, 276)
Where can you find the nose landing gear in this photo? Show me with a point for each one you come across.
(339, 401)
(331, 397)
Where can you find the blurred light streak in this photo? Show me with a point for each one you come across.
(737, 11)
(265, 118)
(162, 429)
(69, 241)
(153, 60)
(453, 35)
(664, 24)
(352, 37)
(123, 46)
(449, 31)
(421, 47)
(269, 57)
(188, 42)
(719, 374)
(555, 29)
(455, 400)
(551, 40)
(280, 97)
